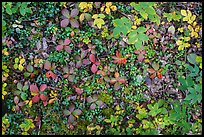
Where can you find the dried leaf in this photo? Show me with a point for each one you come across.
(47, 65)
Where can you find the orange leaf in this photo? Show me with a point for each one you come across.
(151, 70)
(50, 74)
(153, 76)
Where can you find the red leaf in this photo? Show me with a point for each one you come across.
(160, 76)
(50, 74)
(36, 99)
(47, 65)
(45, 103)
(140, 57)
(79, 91)
(34, 88)
(43, 87)
(97, 63)
(92, 58)
(94, 68)
(59, 47)
(66, 75)
(43, 97)
(122, 80)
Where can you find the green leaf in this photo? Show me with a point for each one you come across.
(150, 10)
(8, 9)
(26, 74)
(190, 81)
(142, 36)
(22, 11)
(141, 29)
(192, 58)
(24, 96)
(19, 86)
(143, 14)
(25, 87)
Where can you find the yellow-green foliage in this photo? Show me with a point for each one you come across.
(5, 124)
(19, 63)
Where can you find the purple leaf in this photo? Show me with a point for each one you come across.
(20, 104)
(83, 54)
(74, 23)
(117, 85)
(93, 106)
(29, 68)
(59, 47)
(71, 119)
(16, 100)
(64, 23)
(67, 49)
(66, 112)
(74, 12)
(89, 99)
(77, 112)
(65, 12)
(86, 62)
(71, 107)
(71, 78)
(99, 103)
(95, 97)
(78, 64)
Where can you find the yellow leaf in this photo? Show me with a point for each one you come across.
(186, 38)
(51, 100)
(30, 103)
(102, 8)
(107, 10)
(189, 13)
(200, 66)
(108, 4)
(82, 5)
(20, 67)
(194, 24)
(183, 12)
(190, 27)
(81, 17)
(95, 16)
(134, 27)
(22, 61)
(186, 45)
(179, 42)
(181, 47)
(113, 8)
(117, 107)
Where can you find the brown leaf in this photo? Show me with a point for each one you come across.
(153, 75)
(151, 70)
